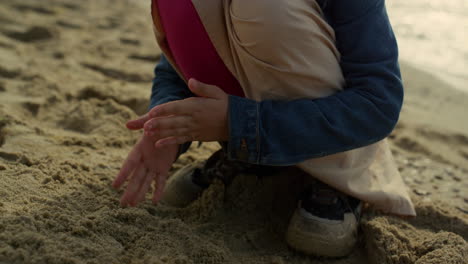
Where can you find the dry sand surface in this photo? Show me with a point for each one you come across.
(71, 74)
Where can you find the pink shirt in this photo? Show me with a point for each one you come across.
(191, 47)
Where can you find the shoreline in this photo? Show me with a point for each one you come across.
(459, 83)
(432, 37)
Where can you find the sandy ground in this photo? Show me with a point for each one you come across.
(71, 74)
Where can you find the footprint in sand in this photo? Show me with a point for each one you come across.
(97, 117)
(33, 34)
(4, 20)
(92, 92)
(32, 107)
(36, 9)
(74, 141)
(130, 41)
(79, 119)
(9, 73)
(455, 138)
(6, 45)
(67, 24)
(2, 132)
(411, 145)
(138, 105)
(71, 6)
(464, 154)
(9, 156)
(14, 157)
(146, 58)
(109, 23)
(118, 74)
(415, 147)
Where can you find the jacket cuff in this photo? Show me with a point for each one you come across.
(243, 121)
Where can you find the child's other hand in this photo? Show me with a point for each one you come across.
(145, 164)
(202, 118)
(138, 123)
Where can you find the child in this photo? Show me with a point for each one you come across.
(276, 91)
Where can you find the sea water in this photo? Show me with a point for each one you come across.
(433, 35)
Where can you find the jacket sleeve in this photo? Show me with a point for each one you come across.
(167, 87)
(366, 111)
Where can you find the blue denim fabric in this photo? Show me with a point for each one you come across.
(281, 133)
(167, 87)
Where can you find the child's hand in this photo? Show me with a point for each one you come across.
(145, 163)
(201, 118)
(138, 123)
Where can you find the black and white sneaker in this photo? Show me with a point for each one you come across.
(325, 223)
(180, 189)
(187, 184)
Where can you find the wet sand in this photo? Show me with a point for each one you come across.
(431, 35)
(72, 73)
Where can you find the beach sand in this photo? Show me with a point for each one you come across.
(73, 72)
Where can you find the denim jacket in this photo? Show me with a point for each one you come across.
(281, 133)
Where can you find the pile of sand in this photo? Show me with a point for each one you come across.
(71, 74)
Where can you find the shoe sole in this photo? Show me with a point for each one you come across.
(322, 237)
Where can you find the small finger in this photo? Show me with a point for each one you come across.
(150, 123)
(128, 166)
(168, 133)
(132, 188)
(206, 90)
(150, 133)
(173, 141)
(160, 183)
(138, 123)
(170, 122)
(180, 107)
(146, 184)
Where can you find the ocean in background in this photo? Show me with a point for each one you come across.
(433, 36)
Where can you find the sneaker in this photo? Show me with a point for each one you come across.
(325, 223)
(180, 189)
(187, 184)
